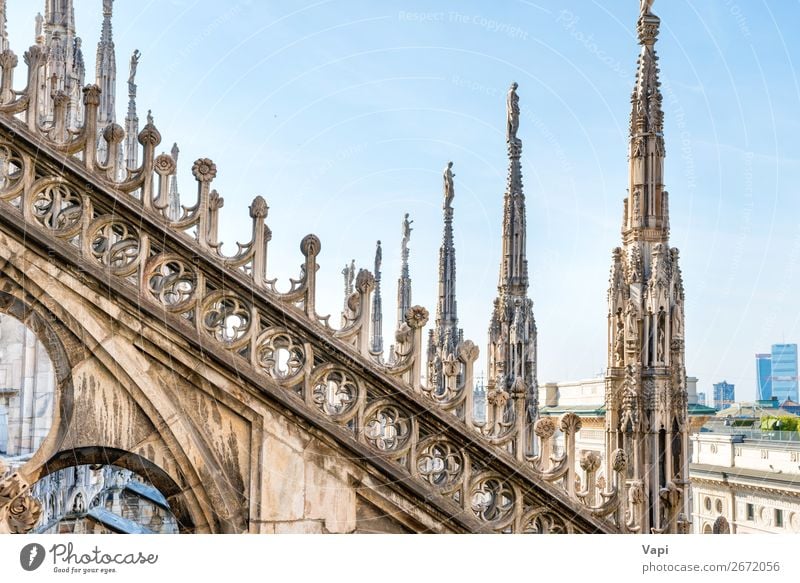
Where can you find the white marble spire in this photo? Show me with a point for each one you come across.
(3, 28)
(132, 119)
(444, 339)
(404, 282)
(349, 275)
(64, 69)
(174, 210)
(512, 328)
(646, 398)
(377, 305)
(106, 69)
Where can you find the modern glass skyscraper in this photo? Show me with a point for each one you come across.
(784, 372)
(763, 377)
(723, 395)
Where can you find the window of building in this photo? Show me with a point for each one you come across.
(707, 503)
(779, 518)
(718, 506)
(750, 512)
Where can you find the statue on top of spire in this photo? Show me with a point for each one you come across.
(645, 7)
(512, 114)
(449, 191)
(406, 232)
(134, 63)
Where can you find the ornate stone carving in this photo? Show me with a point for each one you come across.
(171, 281)
(204, 170)
(619, 460)
(570, 423)
(19, 512)
(416, 317)
(336, 393)
(545, 522)
(226, 318)
(164, 165)
(440, 463)
(259, 208)
(57, 206)
(115, 245)
(11, 172)
(544, 427)
(387, 428)
(280, 354)
(492, 500)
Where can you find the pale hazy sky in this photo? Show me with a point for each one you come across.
(342, 114)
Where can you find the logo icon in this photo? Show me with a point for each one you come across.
(31, 556)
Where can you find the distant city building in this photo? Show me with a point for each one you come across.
(776, 373)
(745, 481)
(723, 395)
(763, 377)
(701, 398)
(784, 371)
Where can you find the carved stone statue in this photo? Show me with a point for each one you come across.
(512, 114)
(631, 315)
(677, 320)
(660, 345)
(134, 63)
(619, 342)
(378, 258)
(645, 7)
(449, 191)
(406, 231)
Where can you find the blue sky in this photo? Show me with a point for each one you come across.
(342, 114)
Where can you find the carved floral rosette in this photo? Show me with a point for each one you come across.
(19, 512)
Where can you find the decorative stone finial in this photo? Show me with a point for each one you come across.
(91, 94)
(215, 201)
(310, 245)
(259, 208)
(365, 281)
(114, 133)
(150, 135)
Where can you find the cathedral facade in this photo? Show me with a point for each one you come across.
(264, 382)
